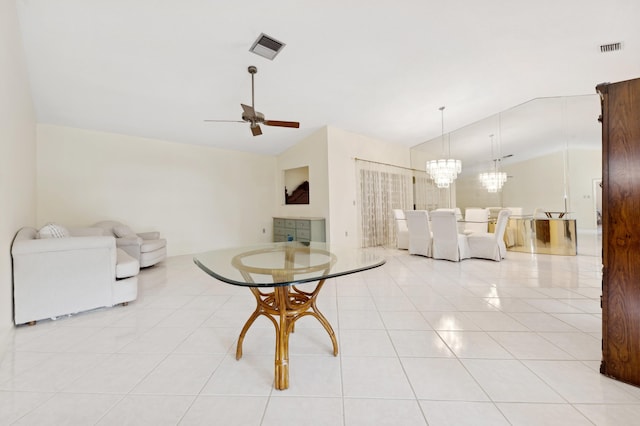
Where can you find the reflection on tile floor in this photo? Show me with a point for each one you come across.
(422, 342)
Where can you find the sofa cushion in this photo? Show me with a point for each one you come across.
(126, 266)
(122, 231)
(53, 230)
(152, 245)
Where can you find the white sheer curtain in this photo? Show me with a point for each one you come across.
(426, 195)
(381, 188)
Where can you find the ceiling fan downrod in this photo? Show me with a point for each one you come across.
(252, 70)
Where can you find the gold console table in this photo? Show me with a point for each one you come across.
(543, 236)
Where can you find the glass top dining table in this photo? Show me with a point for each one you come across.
(284, 263)
(273, 272)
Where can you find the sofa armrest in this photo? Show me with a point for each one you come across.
(61, 244)
(153, 235)
(128, 241)
(59, 276)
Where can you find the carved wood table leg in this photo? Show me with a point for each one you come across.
(282, 340)
(284, 306)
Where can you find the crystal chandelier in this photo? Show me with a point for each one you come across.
(444, 171)
(493, 180)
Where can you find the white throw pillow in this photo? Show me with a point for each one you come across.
(53, 230)
(123, 231)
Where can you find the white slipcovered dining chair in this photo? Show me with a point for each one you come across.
(402, 231)
(476, 220)
(538, 213)
(512, 235)
(447, 242)
(490, 245)
(419, 232)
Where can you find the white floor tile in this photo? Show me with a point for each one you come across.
(577, 383)
(581, 346)
(382, 412)
(611, 414)
(14, 405)
(442, 379)
(70, 409)
(366, 343)
(473, 344)
(310, 341)
(374, 377)
(395, 320)
(117, 373)
(543, 414)
(209, 340)
(510, 381)
(313, 376)
(360, 320)
(453, 413)
(147, 410)
(108, 340)
(225, 410)
(542, 322)
(356, 303)
(250, 375)
(158, 340)
(298, 410)
(528, 346)
(495, 321)
(402, 303)
(583, 322)
(510, 304)
(420, 341)
(450, 321)
(55, 372)
(179, 375)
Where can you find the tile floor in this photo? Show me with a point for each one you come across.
(422, 342)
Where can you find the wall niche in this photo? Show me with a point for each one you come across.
(296, 185)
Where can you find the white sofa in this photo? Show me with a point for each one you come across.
(69, 274)
(147, 247)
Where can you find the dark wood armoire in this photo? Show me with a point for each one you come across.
(621, 230)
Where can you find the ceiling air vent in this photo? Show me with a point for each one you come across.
(611, 47)
(266, 46)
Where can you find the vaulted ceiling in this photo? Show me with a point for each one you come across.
(159, 68)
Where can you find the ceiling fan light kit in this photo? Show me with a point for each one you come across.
(255, 118)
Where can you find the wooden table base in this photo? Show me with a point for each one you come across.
(284, 306)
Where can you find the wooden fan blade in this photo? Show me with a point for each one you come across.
(249, 112)
(256, 130)
(225, 121)
(277, 123)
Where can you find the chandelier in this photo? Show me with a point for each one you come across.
(444, 171)
(493, 180)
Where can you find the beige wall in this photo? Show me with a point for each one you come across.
(311, 152)
(17, 151)
(199, 198)
(538, 182)
(344, 147)
(330, 154)
(584, 166)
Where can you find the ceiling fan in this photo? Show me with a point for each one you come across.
(255, 118)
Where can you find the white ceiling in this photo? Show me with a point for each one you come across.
(158, 68)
